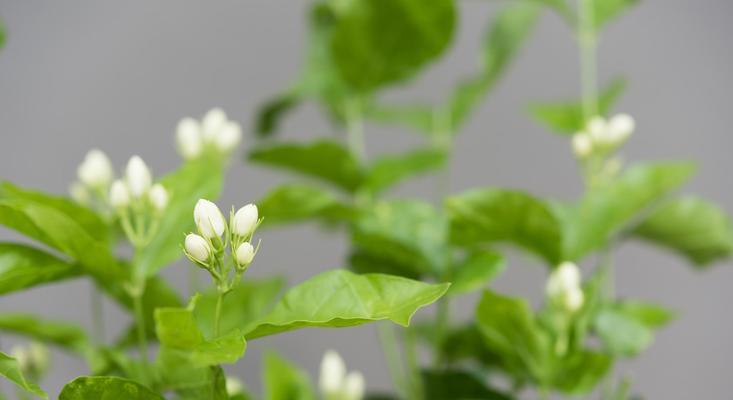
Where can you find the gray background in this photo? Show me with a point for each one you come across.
(119, 75)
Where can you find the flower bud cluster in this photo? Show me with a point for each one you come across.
(215, 132)
(207, 248)
(33, 359)
(335, 383)
(563, 288)
(602, 136)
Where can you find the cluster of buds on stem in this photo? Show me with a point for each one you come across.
(595, 145)
(94, 175)
(215, 132)
(335, 383)
(563, 288)
(207, 249)
(33, 359)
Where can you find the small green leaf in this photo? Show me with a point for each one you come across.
(23, 267)
(494, 215)
(606, 10)
(297, 202)
(106, 387)
(323, 159)
(2, 34)
(386, 171)
(284, 381)
(476, 271)
(620, 334)
(10, 369)
(580, 373)
(376, 42)
(458, 385)
(650, 315)
(271, 112)
(339, 298)
(62, 334)
(566, 118)
(187, 381)
(691, 227)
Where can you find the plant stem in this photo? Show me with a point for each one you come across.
(588, 69)
(97, 315)
(442, 319)
(217, 313)
(388, 340)
(355, 128)
(137, 299)
(194, 281)
(413, 366)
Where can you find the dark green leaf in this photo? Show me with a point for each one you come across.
(300, 202)
(339, 298)
(493, 215)
(270, 113)
(581, 372)
(690, 226)
(188, 382)
(386, 171)
(376, 42)
(476, 271)
(65, 335)
(10, 369)
(323, 159)
(106, 388)
(284, 381)
(23, 267)
(457, 385)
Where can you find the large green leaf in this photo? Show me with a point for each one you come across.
(62, 334)
(106, 388)
(387, 171)
(605, 210)
(284, 381)
(376, 42)
(23, 266)
(339, 298)
(627, 328)
(567, 118)
(10, 369)
(458, 385)
(188, 382)
(322, 159)
(297, 202)
(494, 215)
(197, 179)
(690, 226)
(476, 271)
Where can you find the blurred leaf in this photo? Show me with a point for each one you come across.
(561, 7)
(607, 209)
(476, 271)
(693, 227)
(457, 385)
(339, 298)
(581, 372)
(106, 387)
(2, 34)
(194, 180)
(387, 171)
(23, 267)
(495, 215)
(377, 42)
(10, 369)
(297, 202)
(606, 10)
(622, 335)
(566, 118)
(62, 334)
(395, 260)
(323, 159)
(188, 382)
(284, 381)
(270, 113)
(466, 343)
(419, 117)
(650, 315)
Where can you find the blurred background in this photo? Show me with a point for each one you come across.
(119, 75)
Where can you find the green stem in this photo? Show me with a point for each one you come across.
(388, 340)
(97, 315)
(355, 128)
(137, 299)
(413, 365)
(588, 68)
(217, 313)
(194, 281)
(442, 319)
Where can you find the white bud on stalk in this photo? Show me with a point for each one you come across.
(209, 219)
(158, 197)
(563, 286)
(228, 136)
(354, 386)
(332, 375)
(597, 129)
(80, 193)
(212, 123)
(96, 170)
(188, 138)
(234, 386)
(620, 127)
(573, 300)
(138, 177)
(197, 248)
(582, 145)
(119, 195)
(245, 221)
(245, 254)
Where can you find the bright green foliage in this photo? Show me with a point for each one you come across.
(10, 369)
(23, 267)
(2, 35)
(388, 170)
(693, 227)
(284, 381)
(340, 298)
(297, 202)
(106, 388)
(376, 42)
(65, 335)
(477, 270)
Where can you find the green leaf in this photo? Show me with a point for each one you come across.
(566, 118)
(297, 202)
(420, 117)
(606, 10)
(323, 159)
(2, 34)
(581, 372)
(476, 271)
(466, 343)
(188, 382)
(386, 171)
(377, 42)
(457, 385)
(284, 381)
(10, 369)
(650, 315)
(561, 7)
(606, 210)
(271, 112)
(106, 388)
(339, 298)
(62, 334)
(494, 215)
(194, 180)
(620, 334)
(23, 267)
(511, 27)
(690, 226)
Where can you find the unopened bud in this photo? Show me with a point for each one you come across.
(228, 136)
(138, 177)
(620, 127)
(582, 145)
(333, 372)
(563, 286)
(212, 123)
(96, 170)
(353, 386)
(245, 254)
(158, 197)
(197, 248)
(208, 219)
(188, 138)
(119, 195)
(245, 221)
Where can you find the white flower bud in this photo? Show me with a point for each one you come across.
(573, 300)
(245, 221)
(563, 286)
(234, 386)
(582, 145)
(208, 219)
(597, 129)
(197, 248)
(620, 127)
(354, 386)
(119, 195)
(138, 177)
(212, 123)
(228, 137)
(188, 138)
(96, 170)
(332, 375)
(245, 254)
(158, 197)
(80, 193)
